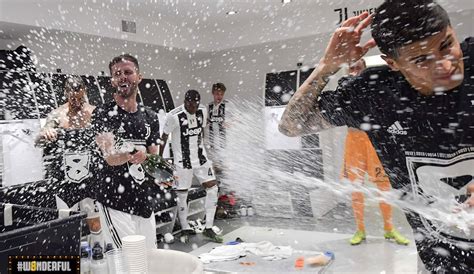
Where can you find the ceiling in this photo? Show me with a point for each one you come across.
(197, 25)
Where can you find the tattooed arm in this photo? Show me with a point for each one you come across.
(302, 115)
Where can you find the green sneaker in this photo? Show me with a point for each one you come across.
(399, 238)
(358, 237)
(184, 238)
(209, 233)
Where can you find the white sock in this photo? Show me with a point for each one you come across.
(183, 208)
(210, 205)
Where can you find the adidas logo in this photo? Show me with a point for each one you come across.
(396, 128)
(121, 129)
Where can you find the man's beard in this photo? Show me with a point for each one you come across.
(75, 108)
(127, 94)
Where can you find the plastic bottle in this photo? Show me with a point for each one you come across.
(85, 258)
(108, 247)
(98, 264)
(243, 211)
(321, 260)
(250, 211)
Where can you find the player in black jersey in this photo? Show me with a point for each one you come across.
(68, 149)
(126, 132)
(418, 112)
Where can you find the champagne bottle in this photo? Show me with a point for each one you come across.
(160, 169)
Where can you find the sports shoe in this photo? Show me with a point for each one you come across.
(188, 231)
(184, 238)
(185, 233)
(399, 238)
(209, 233)
(217, 230)
(358, 237)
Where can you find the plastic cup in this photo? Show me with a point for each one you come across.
(116, 261)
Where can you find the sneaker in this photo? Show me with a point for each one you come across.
(209, 233)
(184, 238)
(358, 237)
(399, 238)
(199, 228)
(188, 231)
(217, 230)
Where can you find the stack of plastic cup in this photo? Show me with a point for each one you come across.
(134, 248)
(116, 261)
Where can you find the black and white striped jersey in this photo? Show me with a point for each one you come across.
(187, 136)
(216, 120)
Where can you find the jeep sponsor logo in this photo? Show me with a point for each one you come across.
(192, 132)
(217, 119)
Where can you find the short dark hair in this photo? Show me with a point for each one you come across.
(401, 22)
(218, 86)
(192, 95)
(73, 83)
(121, 58)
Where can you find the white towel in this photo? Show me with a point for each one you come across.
(264, 249)
(223, 253)
(268, 251)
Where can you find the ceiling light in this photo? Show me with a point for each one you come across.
(286, 1)
(232, 12)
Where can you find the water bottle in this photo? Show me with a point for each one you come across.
(85, 258)
(98, 264)
(108, 247)
(322, 259)
(243, 211)
(250, 211)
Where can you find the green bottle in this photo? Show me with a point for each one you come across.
(158, 168)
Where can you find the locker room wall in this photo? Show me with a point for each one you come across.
(34, 95)
(31, 96)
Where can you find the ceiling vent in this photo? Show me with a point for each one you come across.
(129, 26)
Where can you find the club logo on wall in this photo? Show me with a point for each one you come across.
(345, 13)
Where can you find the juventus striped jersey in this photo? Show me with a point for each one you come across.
(187, 136)
(216, 121)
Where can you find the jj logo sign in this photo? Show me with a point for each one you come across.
(345, 13)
